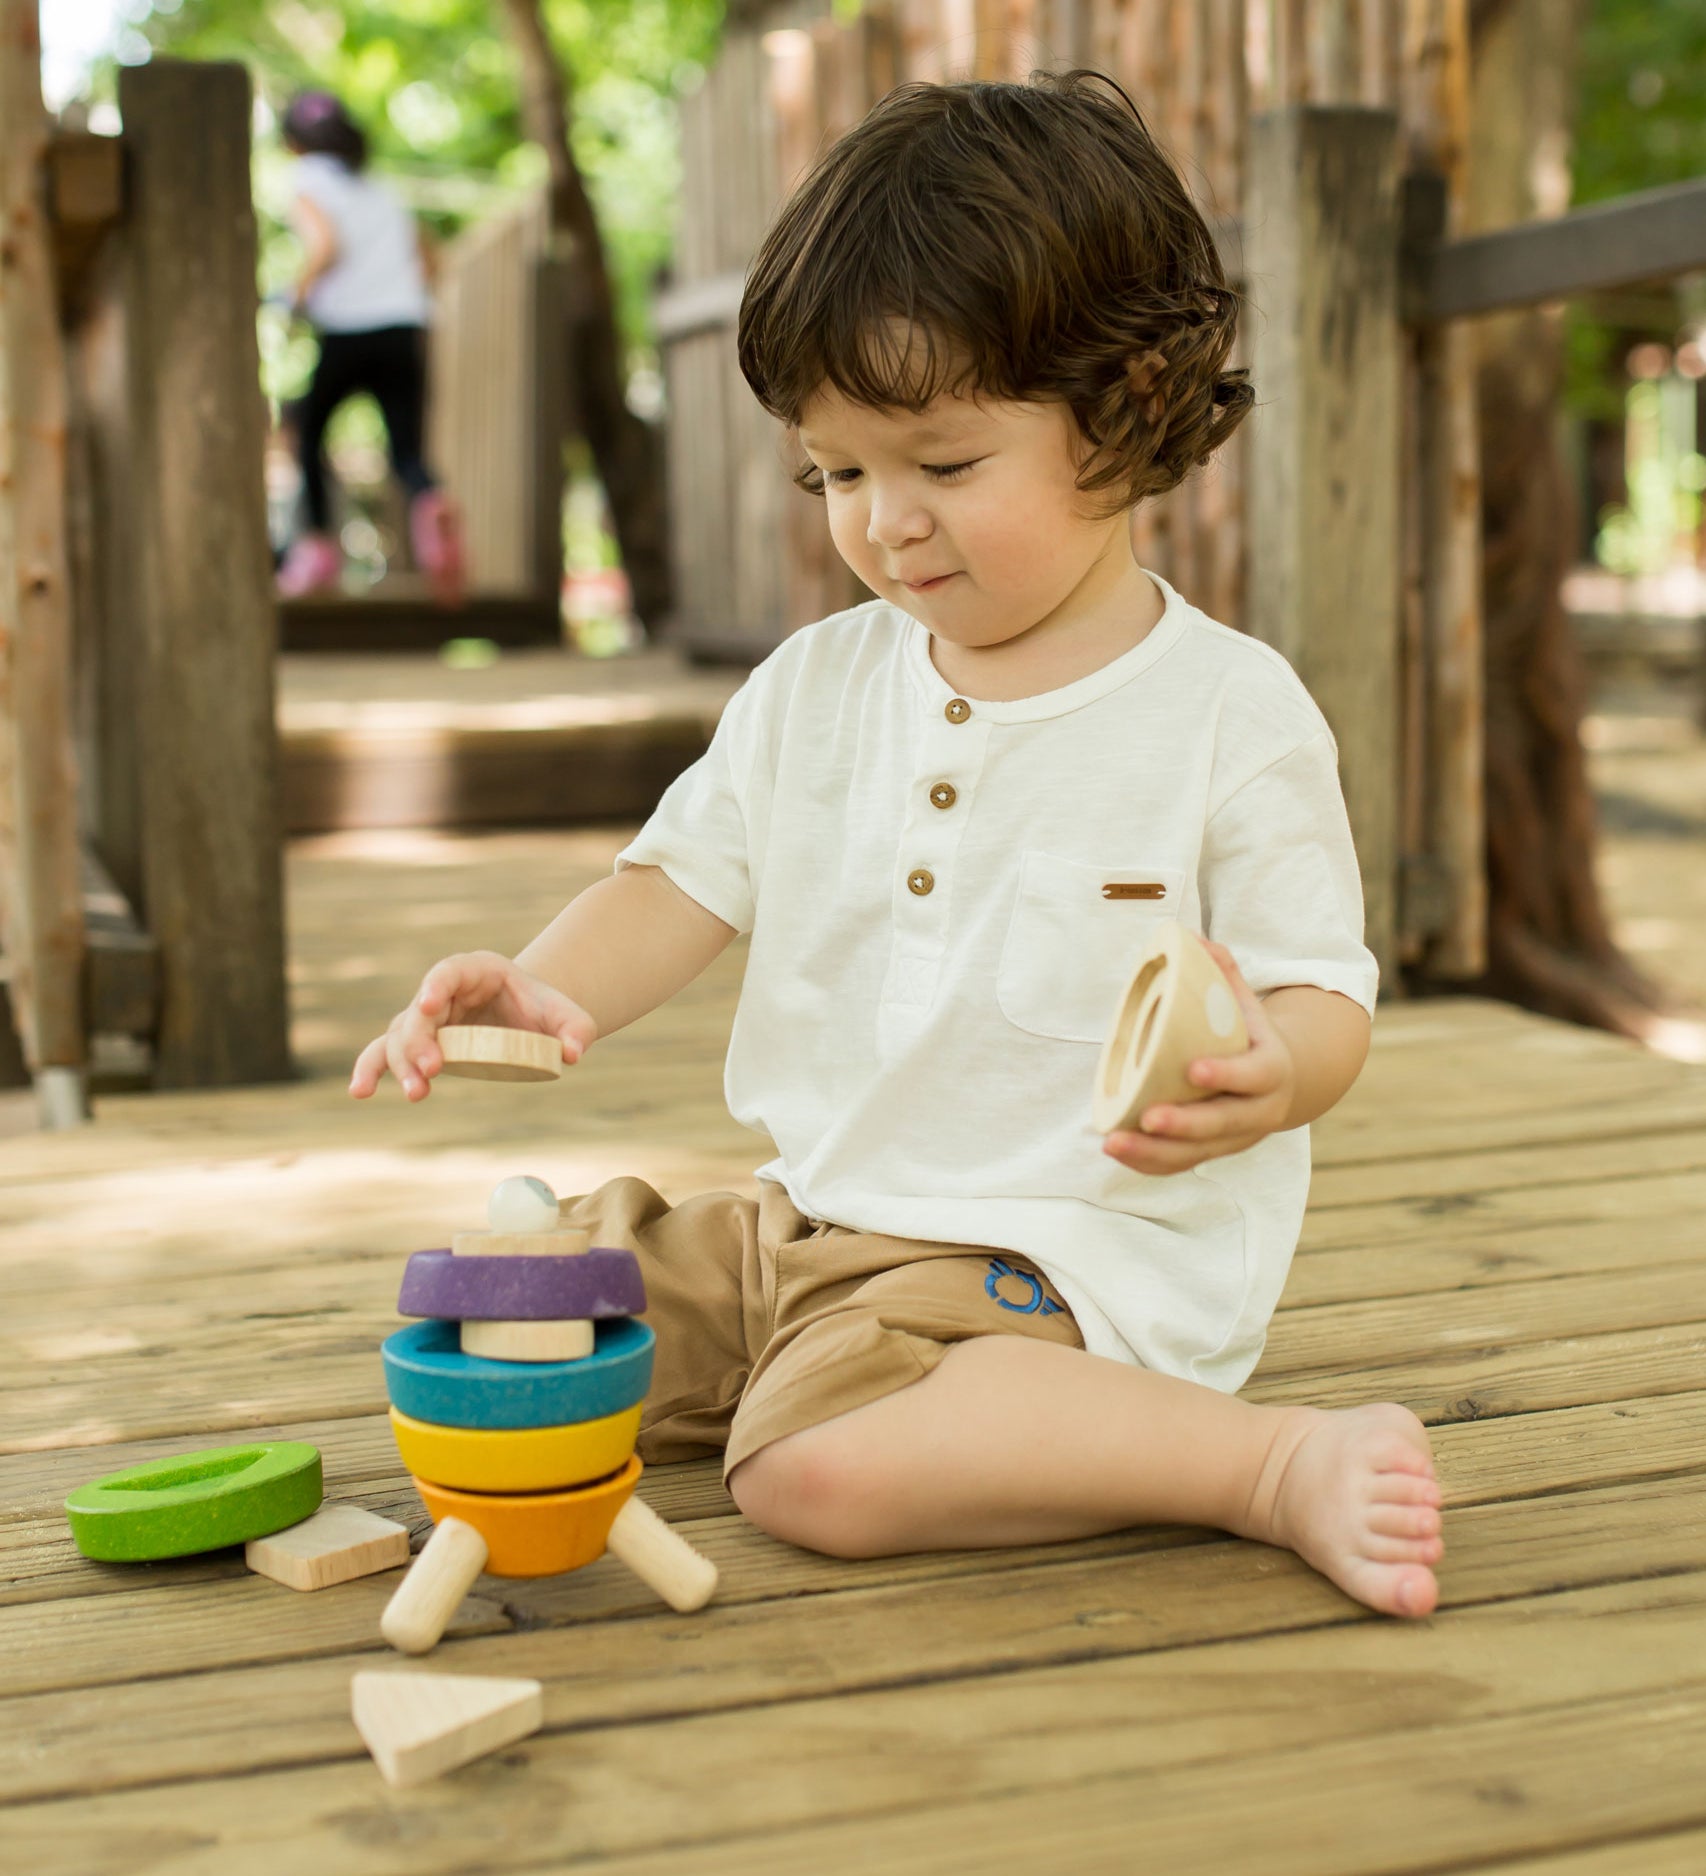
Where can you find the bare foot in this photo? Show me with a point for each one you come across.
(1353, 1493)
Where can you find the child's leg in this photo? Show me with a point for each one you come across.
(1009, 1440)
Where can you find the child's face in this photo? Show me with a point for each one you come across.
(977, 498)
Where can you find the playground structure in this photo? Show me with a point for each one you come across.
(140, 830)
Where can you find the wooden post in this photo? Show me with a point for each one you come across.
(41, 906)
(204, 615)
(1321, 244)
(1448, 929)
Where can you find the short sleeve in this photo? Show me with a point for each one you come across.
(1279, 880)
(698, 832)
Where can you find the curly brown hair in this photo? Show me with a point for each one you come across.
(1035, 244)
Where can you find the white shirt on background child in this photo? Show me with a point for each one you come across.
(923, 1060)
(377, 280)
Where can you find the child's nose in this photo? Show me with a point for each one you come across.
(896, 521)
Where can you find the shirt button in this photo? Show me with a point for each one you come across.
(921, 882)
(944, 795)
(957, 711)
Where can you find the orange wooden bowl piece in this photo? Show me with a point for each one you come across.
(537, 1533)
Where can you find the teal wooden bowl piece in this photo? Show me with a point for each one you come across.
(193, 1502)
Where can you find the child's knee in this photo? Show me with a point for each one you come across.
(815, 1489)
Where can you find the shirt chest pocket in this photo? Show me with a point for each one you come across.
(1073, 941)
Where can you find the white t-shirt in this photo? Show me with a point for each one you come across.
(376, 280)
(924, 1062)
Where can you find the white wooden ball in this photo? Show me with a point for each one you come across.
(522, 1204)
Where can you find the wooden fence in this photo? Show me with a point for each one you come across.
(1336, 133)
(497, 418)
(140, 873)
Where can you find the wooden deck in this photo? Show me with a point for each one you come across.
(1505, 1233)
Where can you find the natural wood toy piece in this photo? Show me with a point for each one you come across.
(1177, 1008)
(429, 1377)
(539, 1534)
(338, 1543)
(192, 1502)
(528, 1341)
(419, 1725)
(526, 1221)
(426, 1599)
(478, 1052)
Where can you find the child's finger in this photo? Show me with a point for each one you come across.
(369, 1068)
(1253, 1072)
(412, 1078)
(1198, 1120)
(1146, 1153)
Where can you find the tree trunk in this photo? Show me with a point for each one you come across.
(1550, 946)
(628, 451)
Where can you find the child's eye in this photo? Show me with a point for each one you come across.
(943, 472)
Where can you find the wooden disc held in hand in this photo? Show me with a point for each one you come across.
(483, 1053)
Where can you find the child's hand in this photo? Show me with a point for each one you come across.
(1256, 1090)
(472, 987)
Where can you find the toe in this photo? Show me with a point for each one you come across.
(1404, 1520)
(1407, 1589)
(1404, 1488)
(1380, 1548)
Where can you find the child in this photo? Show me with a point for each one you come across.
(956, 1316)
(364, 286)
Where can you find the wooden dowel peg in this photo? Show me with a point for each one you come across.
(660, 1559)
(439, 1578)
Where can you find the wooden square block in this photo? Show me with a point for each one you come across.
(339, 1542)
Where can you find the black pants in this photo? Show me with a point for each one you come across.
(390, 362)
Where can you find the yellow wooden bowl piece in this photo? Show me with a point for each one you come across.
(481, 1052)
(537, 1533)
(522, 1459)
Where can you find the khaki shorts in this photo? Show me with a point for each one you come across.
(768, 1321)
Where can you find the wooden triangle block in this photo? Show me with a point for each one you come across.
(419, 1725)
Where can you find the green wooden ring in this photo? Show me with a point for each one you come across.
(196, 1501)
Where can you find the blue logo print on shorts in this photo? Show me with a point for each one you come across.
(1037, 1305)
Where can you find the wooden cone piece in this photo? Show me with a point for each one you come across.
(428, 1596)
(418, 1725)
(660, 1559)
(1178, 1006)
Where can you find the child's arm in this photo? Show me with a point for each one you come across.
(319, 245)
(622, 947)
(1306, 1048)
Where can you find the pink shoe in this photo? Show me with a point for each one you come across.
(312, 563)
(435, 533)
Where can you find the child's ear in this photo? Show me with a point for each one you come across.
(1141, 374)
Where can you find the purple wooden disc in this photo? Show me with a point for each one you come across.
(588, 1285)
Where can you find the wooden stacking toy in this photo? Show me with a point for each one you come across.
(1177, 1008)
(521, 1442)
(192, 1502)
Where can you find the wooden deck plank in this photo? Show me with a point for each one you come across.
(1524, 1455)
(1116, 1739)
(1502, 1232)
(174, 1722)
